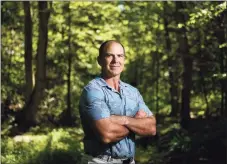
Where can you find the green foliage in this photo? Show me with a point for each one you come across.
(142, 34)
(58, 146)
(205, 13)
(7, 126)
(198, 144)
(149, 155)
(175, 145)
(140, 26)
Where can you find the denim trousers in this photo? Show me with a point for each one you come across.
(87, 159)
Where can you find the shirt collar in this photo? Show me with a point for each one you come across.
(103, 83)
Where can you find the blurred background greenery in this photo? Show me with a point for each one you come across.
(176, 56)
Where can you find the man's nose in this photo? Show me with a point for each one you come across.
(115, 58)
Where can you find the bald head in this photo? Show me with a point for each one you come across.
(104, 45)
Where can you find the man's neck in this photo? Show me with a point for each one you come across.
(113, 82)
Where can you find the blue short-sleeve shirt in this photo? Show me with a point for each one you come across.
(98, 101)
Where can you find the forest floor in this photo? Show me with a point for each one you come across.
(204, 143)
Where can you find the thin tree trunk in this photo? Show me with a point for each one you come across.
(157, 72)
(187, 66)
(138, 71)
(28, 50)
(68, 110)
(157, 84)
(171, 68)
(202, 81)
(204, 92)
(153, 79)
(32, 105)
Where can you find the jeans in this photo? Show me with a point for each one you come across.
(87, 159)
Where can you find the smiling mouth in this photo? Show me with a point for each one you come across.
(114, 66)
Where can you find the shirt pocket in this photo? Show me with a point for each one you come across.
(131, 106)
(115, 107)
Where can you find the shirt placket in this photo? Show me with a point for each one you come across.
(125, 112)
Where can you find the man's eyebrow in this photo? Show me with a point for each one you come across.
(113, 54)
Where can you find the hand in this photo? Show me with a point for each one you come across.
(141, 114)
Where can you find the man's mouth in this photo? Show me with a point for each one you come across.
(114, 66)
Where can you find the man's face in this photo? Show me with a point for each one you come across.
(112, 61)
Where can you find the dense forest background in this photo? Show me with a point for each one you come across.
(176, 56)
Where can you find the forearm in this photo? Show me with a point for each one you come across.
(109, 131)
(142, 126)
(117, 132)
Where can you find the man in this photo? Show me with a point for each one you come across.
(112, 112)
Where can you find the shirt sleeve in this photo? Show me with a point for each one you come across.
(142, 104)
(93, 105)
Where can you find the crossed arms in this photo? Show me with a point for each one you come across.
(115, 128)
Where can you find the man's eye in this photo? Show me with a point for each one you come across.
(108, 55)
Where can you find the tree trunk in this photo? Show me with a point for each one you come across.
(28, 50)
(201, 76)
(187, 66)
(157, 85)
(158, 57)
(138, 71)
(225, 61)
(171, 67)
(67, 114)
(222, 36)
(203, 87)
(32, 105)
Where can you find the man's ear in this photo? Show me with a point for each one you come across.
(99, 60)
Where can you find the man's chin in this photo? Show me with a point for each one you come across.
(114, 74)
